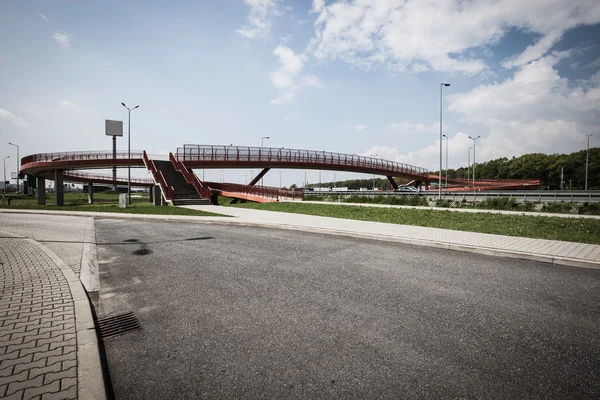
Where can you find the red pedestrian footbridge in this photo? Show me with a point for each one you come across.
(180, 185)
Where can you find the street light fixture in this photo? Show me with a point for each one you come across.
(587, 159)
(129, 152)
(474, 139)
(4, 181)
(440, 174)
(17, 146)
(446, 161)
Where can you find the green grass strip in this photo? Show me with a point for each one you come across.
(539, 227)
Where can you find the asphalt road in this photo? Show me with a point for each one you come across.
(237, 312)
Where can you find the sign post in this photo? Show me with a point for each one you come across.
(114, 129)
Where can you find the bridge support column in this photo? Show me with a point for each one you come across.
(393, 182)
(59, 189)
(91, 193)
(41, 191)
(259, 177)
(151, 194)
(158, 198)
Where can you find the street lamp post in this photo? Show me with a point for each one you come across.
(440, 180)
(222, 176)
(17, 146)
(129, 152)
(446, 161)
(374, 155)
(4, 181)
(262, 140)
(474, 139)
(587, 159)
(280, 172)
(468, 165)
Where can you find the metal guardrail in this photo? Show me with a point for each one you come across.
(590, 196)
(294, 158)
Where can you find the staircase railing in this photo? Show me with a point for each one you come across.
(159, 178)
(190, 177)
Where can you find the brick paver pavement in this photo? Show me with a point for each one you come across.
(38, 346)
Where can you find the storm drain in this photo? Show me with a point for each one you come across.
(118, 324)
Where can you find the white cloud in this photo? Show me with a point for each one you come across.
(302, 21)
(69, 105)
(358, 128)
(63, 39)
(536, 110)
(436, 35)
(6, 115)
(259, 19)
(418, 127)
(44, 17)
(285, 39)
(287, 78)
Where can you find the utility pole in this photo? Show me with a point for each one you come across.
(587, 160)
(474, 139)
(17, 146)
(440, 180)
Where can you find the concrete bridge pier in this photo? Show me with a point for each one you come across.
(59, 189)
(158, 197)
(151, 194)
(41, 191)
(91, 193)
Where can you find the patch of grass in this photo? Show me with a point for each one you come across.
(103, 202)
(539, 227)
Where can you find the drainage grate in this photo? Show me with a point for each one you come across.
(118, 324)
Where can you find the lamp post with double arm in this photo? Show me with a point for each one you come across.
(129, 152)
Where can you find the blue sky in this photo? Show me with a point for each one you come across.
(349, 76)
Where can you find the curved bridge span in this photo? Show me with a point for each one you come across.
(179, 185)
(206, 156)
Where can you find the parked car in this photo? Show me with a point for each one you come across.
(406, 189)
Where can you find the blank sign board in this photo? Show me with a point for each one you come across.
(113, 128)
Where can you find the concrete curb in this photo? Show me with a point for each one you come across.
(572, 262)
(89, 274)
(90, 378)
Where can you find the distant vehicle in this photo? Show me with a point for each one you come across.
(406, 189)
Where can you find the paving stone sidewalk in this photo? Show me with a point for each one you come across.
(38, 349)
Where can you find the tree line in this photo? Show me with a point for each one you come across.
(545, 167)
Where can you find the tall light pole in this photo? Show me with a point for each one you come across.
(280, 172)
(446, 161)
(17, 146)
(4, 181)
(129, 152)
(474, 139)
(440, 181)
(468, 165)
(262, 140)
(587, 159)
(222, 176)
(374, 155)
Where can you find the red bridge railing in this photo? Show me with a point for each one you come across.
(79, 155)
(77, 176)
(190, 177)
(262, 191)
(158, 177)
(294, 158)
